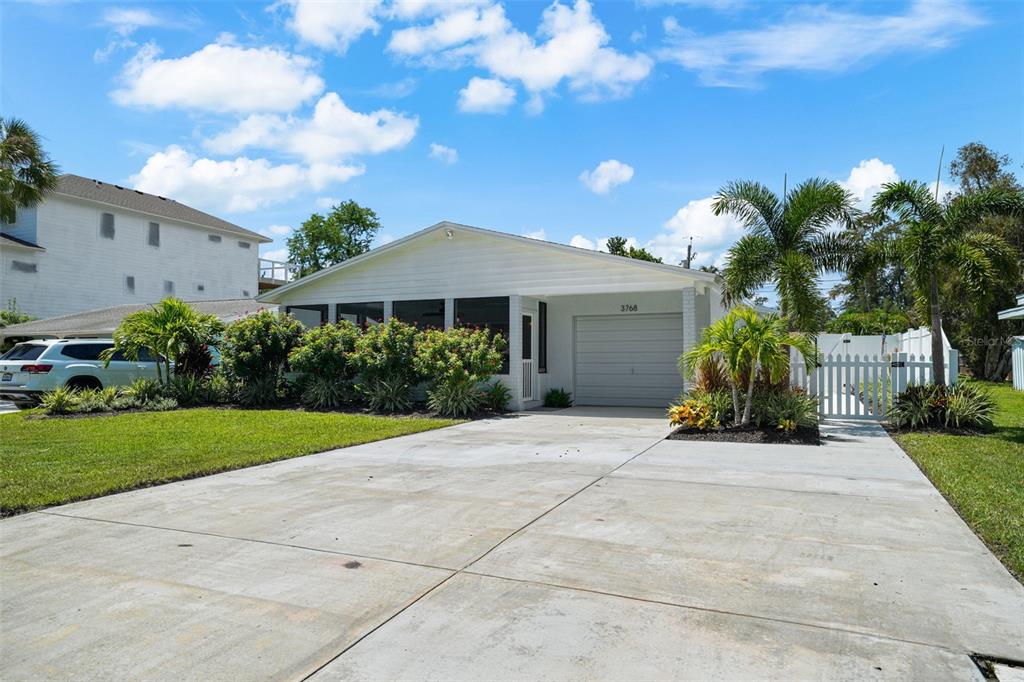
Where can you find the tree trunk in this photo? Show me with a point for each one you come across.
(735, 402)
(938, 359)
(750, 396)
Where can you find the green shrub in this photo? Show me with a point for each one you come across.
(786, 409)
(718, 402)
(326, 352)
(458, 355)
(143, 390)
(255, 350)
(963, 406)
(325, 392)
(187, 389)
(124, 402)
(108, 395)
(62, 400)
(496, 396)
(388, 395)
(454, 398)
(90, 400)
(557, 397)
(259, 391)
(386, 352)
(969, 406)
(220, 389)
(161, 405)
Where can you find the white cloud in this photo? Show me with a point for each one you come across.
(607, 175)
(571, 45)
(334, 132)
(867, 178)
(536, 234)
(395, 90)
(276, 230)
(332, 25)
(123, 22)
(415, 9)
(276, 254)
(712, 235)
(485, 96)
(817, 38)
(445, 155)
(581, 242)
(220, 77)
(324, 203)
(236, 185)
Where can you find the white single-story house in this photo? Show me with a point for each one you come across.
(606, 328)
(1016, 313)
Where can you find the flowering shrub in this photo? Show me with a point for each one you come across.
(694, 414)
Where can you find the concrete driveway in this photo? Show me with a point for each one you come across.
(567, 545)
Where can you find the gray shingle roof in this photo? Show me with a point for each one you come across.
(115, 195)
(103, 321)
(20, 242)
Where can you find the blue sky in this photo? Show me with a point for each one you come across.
(571, 121)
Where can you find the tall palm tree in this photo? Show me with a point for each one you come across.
(937, 241)
(789, 244)
(26, 173)
(745, 343)
(169, 330)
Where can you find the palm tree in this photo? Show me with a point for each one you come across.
(26, 173)
(169, 330)
(789, 244)
(746, 343)
(937, 241)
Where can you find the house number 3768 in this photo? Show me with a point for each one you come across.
(630, 307)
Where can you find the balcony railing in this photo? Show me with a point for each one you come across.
(276, 272)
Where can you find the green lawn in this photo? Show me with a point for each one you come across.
(983, 476)
(52, 461)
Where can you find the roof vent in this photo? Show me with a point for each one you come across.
(119, 186)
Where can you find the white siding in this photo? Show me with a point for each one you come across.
(80, 270)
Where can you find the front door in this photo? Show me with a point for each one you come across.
(528, 373)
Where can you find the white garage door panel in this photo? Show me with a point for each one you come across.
(628, 359)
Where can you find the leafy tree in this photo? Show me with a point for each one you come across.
(874, 321)
(940, 241)
(872, 280)
(747, 343)
(11, 315)
(169, 331)
(789, 244)
(322, 241)
(617, 246)
(26, 173)
(976, 329)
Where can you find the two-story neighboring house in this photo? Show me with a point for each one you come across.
(91, 245)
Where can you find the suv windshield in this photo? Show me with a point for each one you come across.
(24, 351)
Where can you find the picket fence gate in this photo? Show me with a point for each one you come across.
(863, 387)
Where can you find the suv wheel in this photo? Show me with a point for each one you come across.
(80, 383)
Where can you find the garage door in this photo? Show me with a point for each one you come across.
(628, 359)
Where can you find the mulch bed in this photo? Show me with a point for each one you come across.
(750, 434)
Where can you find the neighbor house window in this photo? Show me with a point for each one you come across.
(542, 337)
(154, 234)
(490, 313)
(362, 314)
(107, 225)
(309, 315)
(23, 266)
(245, 293)
(129, 284)
(214, 238)
(425, 313)
(200, 287)
(168, 286)
(243, 245)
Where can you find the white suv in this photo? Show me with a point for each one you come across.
(31, 368)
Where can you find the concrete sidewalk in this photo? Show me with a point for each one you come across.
(567, 545)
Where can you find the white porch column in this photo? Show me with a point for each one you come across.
(389, 308)
(515, 350)
(689, 323)
(449, 313)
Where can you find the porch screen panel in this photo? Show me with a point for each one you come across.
(361, 314)
(424, 313)
(490, 313)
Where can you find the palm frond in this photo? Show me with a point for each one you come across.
(909, 200)
(799, 297)
(749, 265)
(813, 206)
(752, 203)
(966, 211)
(834, 251)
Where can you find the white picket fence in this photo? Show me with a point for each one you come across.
(862, 387)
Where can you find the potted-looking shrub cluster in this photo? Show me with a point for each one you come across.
(739, 383)
(269, 359)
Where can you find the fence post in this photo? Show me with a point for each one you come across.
(899, 377)
(952, 366)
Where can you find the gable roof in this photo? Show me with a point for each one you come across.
(529, 241)
(123, 197)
